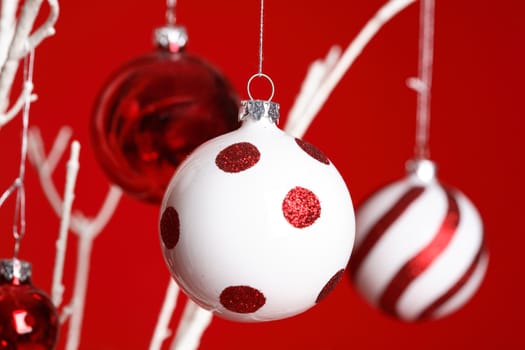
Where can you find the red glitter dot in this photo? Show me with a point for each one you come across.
(242, 299)
(329, 286)
(170, 227)
(301, 207)
(313, 151)
(237, 157)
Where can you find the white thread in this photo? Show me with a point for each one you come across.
(19, 223)
(261, 31)
(260, 72)
(171, 17)
(423, 83)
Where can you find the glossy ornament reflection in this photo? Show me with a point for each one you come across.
(28, 318)
(154, 111)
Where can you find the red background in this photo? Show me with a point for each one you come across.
(366, 128)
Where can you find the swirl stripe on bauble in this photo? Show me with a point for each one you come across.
(472, 276)
(423, 259)
(377, 230)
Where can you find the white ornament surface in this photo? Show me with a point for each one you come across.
(419, 250)
(234, 233)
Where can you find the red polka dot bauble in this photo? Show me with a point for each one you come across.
(28, 319)
(420, 252)
(257, 225)
(154, 111)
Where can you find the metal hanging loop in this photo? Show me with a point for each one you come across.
(260, 75)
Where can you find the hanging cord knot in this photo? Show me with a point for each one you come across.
(417, 85)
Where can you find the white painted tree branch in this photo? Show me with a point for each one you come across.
(86, 228)
(17, 49)
(301, 123)
(162, 331)
(47, 28)
(76, 307)
(195, 320)
(109, 205)
(19, 41)
(7, 27)
(57, 150)
(317, 72)
(57, 288)
(46, 166)
(19, 104)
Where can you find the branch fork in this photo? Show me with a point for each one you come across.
(16, 41)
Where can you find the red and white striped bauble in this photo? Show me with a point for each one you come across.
(419, 251)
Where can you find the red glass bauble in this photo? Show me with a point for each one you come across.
(153, 112)
(28, 319)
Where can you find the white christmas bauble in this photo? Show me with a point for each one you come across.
(419, 251)
(256, 225)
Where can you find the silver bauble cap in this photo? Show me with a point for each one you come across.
(171, 38)
(258, 109)
(14, 268)
(423, 169)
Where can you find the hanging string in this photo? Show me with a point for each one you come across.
(261, 31)
(260, 73)
(19, 224)
(424, 82)
(170, 12)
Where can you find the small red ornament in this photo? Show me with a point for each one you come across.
(28, 319)
(154, 111)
